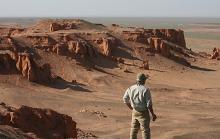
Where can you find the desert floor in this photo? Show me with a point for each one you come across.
(186, 100)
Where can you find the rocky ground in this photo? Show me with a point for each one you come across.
(82, 69)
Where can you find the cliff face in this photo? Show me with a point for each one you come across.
(23, 63)
(21, 49)
(169, 43)
(142, 35)
(14, 60)
(44, 123)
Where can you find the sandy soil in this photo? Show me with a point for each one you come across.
(185, 100)
(202, 45)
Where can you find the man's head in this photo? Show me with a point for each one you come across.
(141, 78)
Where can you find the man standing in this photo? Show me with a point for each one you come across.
(138, 99)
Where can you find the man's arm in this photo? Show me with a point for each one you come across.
(150, 105)
(152, 112)
(126, 99)
(129, 106)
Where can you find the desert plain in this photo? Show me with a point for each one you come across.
(186, 98)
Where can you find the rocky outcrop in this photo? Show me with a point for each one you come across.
(44, 123)
(64, 26)
(55, 27)
(160, 46)
(77, 44)
(64, 45)
(41, 40)
(136, 36)
(106, 45)
(171, 35)
(142, 35)
(145, 65)
(23, 63)
(216, 54)
(15, 31)
(60, 48)
(165, 42)
(81, 48)
(8, 132)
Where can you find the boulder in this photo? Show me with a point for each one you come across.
(44, 123)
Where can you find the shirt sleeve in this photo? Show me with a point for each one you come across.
(126, 97)
(148, 98)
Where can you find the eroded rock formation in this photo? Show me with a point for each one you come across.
(216, 54)
(106, 45)
(64, 26)
(81, 48)
(84, 41)
(142, 35)
(44, 123)
(171, 35)
(160, 46)
(8, 132)
(23, 63)
(41, 40)
(136, 36)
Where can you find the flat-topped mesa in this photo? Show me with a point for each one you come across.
(171, 35)
(41, 122)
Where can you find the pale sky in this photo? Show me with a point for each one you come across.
(109, 8)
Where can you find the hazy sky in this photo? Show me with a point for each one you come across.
(148, 8)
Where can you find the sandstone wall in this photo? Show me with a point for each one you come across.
(44, 123)
(23, 63)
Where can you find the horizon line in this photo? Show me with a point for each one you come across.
(108, 17)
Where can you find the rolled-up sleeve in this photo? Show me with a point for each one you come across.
(126, 97)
